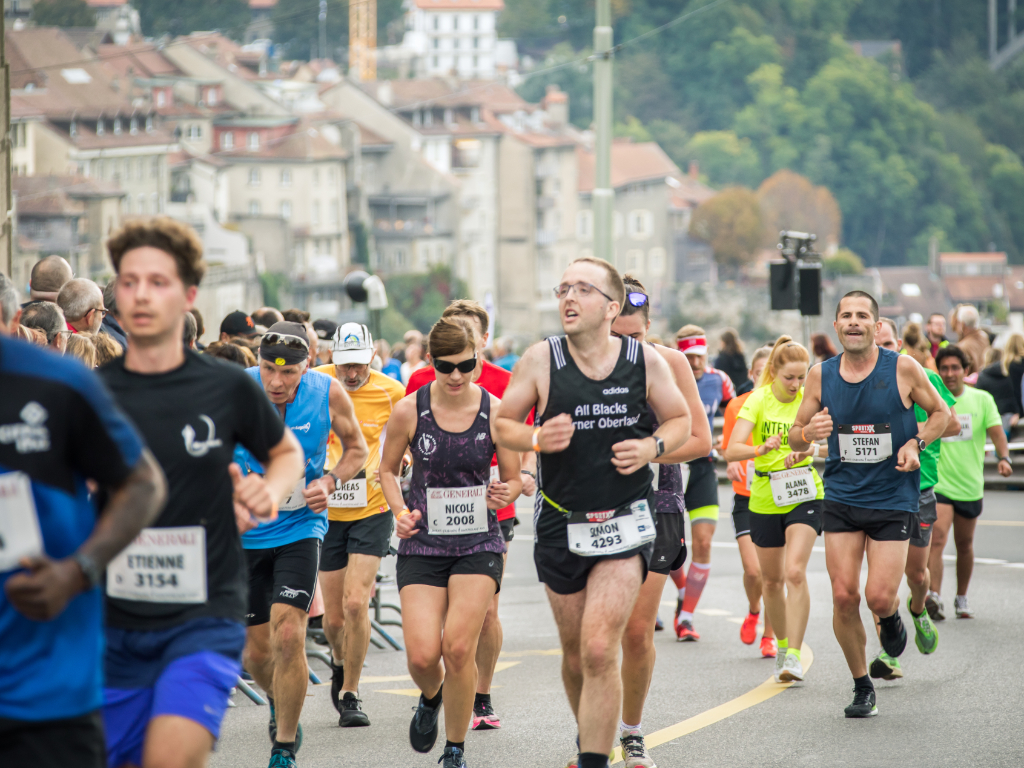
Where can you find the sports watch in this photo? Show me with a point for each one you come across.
(90, 570)
(921, 445)
(337, 482)
(659, 445)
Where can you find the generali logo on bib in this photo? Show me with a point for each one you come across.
(600, 517)
(863, 429)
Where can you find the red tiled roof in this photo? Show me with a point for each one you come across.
(990, 257)
(631, 163)
(436, 92)
(303, 144)
(58, 195)
(973, 288)
(136, 60)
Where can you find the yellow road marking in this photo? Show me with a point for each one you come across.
(503, 665)
(552, 652)
(1002, 522)
(401, 691)
(500, 666)
(763, 692)
(713, 612)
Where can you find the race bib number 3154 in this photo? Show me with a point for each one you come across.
(19, 524)
(162, 565)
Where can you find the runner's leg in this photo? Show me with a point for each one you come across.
(940, 535)
(423, 611)
(362, 573)
(568, 612)
(638, 654)
(772, 561)
(291, 671)
(917, 577)
(489, 647)
(176, 742)
(752, 577)
(257, 658)
(844, 553)
(800, 540)
(963, 538)
(469, 597)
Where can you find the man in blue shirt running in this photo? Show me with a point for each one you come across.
(59, 429)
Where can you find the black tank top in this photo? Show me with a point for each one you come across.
(582, 478)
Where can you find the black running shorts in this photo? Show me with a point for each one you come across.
(73, 743)
(741, 515)
(369, 536)
(285, 574)
(702, 492)
(768, 531)
(434, 571)
(968, 509)
(878, 524)
(926, 517)
(508, 531)
(669, 545)
(566, 573)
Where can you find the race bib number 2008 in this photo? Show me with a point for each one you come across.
(457, 511)
(864, 443)
(162, 565)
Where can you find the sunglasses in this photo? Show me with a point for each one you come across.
(287, 340)
(446, 367)
(636, 298)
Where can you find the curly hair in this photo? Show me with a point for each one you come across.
(172, 237)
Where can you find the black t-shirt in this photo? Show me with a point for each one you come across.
(191, 418)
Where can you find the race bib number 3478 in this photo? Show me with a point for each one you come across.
(162, 565)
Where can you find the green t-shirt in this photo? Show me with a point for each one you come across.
(962, 457)
(930, 457)
(770, 417)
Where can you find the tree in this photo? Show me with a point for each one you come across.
(297, 28)
(724, 158)
(423, 297)
(790, 201)
(731, 222)
(574, 79)
(843, 262)
(182, 17)
(63, 13)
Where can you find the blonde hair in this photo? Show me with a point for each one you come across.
(1012, 352)
(784, 351)
(106, 348)
(759, 354)
(81, 347)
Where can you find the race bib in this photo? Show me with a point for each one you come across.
(966, 429)
(351, 496)
(793, 486)
(864, 443)
(611, 531)
(295, 499)
(162, 565)
(750, 474)
(457, 511)
(19, 523)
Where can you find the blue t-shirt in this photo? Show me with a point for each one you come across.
(393, 368)
(308, 416)
(59, 426)
(716, 390)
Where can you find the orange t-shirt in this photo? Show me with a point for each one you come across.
(732, 410)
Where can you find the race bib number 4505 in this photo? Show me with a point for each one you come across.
(864, 443)
(162, 565)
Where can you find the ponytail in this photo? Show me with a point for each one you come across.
(784, 351)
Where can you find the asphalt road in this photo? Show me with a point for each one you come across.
(961, 706)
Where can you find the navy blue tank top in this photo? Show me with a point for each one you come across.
(450, 460)
(866, 416)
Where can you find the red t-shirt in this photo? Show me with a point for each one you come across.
(493, 379)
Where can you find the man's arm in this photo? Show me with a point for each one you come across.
(811, 423)
(257, 496)
(699, 443)
(353, 444)
(44, 590)
(521, 396)
(998, 438)
(925, 395)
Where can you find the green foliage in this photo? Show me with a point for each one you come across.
(843, 262)
(573, 78)
(423, 297)
(393, 325)
(182, 17)
(724, 158)
(63, 13)
(731, 222)
(273, 284)
(632, 129)
(297, 28)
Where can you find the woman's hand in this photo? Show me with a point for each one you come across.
(405, 527)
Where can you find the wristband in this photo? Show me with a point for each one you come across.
(803, 437)
(403, 513)
(536, 440)
(817, 449)
(757, 449)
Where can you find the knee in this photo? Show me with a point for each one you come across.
(772, 586)
(881, 601)
(572, 664)
(795, 577)
(963, 543)
(637, 639)
(356, 608)
(458, 652)
(256, 654)
(290, 638)
(491, 620)
(420, 661)
(598, 655)
(845, 599)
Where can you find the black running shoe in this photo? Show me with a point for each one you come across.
(423, 728)
(352, 715)
(337, 680)
(863, 703)
(893, 643)
(453, 757)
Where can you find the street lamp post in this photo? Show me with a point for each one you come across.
(603, 196)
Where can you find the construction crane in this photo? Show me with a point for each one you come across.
(362, 39)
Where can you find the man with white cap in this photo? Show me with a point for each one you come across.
(359, 520)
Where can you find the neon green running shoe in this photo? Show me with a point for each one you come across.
(886, 667)
(926, 634)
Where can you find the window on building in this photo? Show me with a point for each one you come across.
(584, 225)
(641, 224)
(437, 22)
(332, 176)
(286, 177)
(437, 62)
(476, 23)
(448, 116)
(656, 262)
(455, 23)
(133, 126)
(316, 177)
(476, 42)
(117, 126)
(128, 170)
(254, 177)
(73, 129)
(211, 96)
(161, 98)
(314, 213)
(127, 203)
(227, 140)
(154, 167)
(99, 128)
(158, 203)
(149, 124)
(400, 257)
(474, 114)
(286, 209)
(437, 42)
(140, 169)
(617, 225)
(634, 260)
(455, 43)
(254, 141)
(254, 207)
(333, 213)
(141, 200)
(476, 62)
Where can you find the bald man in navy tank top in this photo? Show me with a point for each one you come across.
(597, 400)
(863, 402)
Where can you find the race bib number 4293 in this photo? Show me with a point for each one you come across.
(864, 443)
(162, 565)
(606, 533)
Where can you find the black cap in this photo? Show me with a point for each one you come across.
(238, 323)
(325, 329)
(285, 344)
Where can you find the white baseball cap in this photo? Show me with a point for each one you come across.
(352, 345)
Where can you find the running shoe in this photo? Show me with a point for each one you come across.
(961, 607)
(675, 620)
(792, 670)
(659, 625)
(484, 718)
(685, 632)
(885, 667)
(282, 758)
(634, 752)
(423, 728)
(780, 661)
(453, 757)
(272, 727)
(934, 606)
(352, 715)
(748, 629)
(769, 650)
(337, 680)
(894, 642)
(863, 703)
(926, 636)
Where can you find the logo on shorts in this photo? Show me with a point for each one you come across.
(427, 444)
(600, 517)
(290, 594)
(199, 449)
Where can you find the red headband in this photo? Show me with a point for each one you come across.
(693, 345)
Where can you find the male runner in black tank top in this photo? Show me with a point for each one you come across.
(600, 386)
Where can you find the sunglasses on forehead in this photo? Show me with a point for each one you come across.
(636, 298)
(446, 367)
(285, 339)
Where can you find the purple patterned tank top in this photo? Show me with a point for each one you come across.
(668, 496)
(450, 460)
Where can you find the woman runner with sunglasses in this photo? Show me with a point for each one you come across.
(450, 557)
